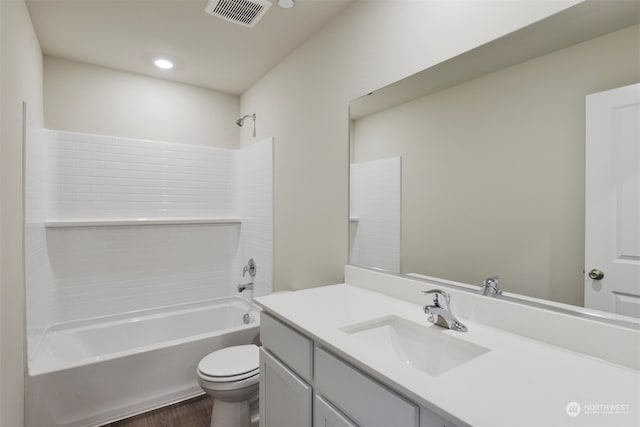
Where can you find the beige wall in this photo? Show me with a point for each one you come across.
(21, 64)
(303, 103)
(87, 98)
(493, 169)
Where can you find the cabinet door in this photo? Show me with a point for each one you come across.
(428, 418)
(285, 400)
(325, 415)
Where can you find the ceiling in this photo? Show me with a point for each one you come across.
(207, 51)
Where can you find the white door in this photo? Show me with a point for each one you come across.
(612, 205)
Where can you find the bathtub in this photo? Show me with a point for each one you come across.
(92, 372)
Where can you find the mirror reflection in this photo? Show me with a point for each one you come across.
(476, 168)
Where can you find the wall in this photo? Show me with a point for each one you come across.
(86, 98)
(504, 191)
(304, 103)
(76, 273)
(111, 177)
(1, 281)
(21, 81)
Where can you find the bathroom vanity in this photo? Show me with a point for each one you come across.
(304, 384)
(350, 355)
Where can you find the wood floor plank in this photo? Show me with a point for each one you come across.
(165, 418)
(137, 421)
(195, 414)
(190, 413)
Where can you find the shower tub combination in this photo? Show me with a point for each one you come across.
(91, 372)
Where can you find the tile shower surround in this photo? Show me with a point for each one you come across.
(82, 272)
(102, 177)
(375, 202)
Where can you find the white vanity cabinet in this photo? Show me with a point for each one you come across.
(286, 366)
(325, 415)
(365, 401)
(302, 384)
(285, 399)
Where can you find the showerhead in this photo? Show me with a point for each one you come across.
(240, 121)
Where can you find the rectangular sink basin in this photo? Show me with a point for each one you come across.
(426, 348)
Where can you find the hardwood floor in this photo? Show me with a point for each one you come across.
(190, 413)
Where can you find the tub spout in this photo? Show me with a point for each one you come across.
(244, 287)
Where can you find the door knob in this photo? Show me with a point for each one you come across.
(596, 274)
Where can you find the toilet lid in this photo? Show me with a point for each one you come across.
(240, 360)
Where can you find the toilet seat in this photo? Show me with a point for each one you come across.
(209, 383)
(231, 365)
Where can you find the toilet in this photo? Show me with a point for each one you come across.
(230, 376)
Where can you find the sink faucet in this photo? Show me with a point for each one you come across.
(440, 312)
(490, 286)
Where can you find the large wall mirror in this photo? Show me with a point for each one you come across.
(476, 167)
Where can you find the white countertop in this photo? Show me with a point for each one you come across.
(519, 382)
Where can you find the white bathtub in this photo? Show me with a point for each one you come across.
(93, 372)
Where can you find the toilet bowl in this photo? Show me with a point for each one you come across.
(230, 376)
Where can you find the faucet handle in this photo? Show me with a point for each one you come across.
(490, 286)
(437, 293)
(250, 268)
(491, 280)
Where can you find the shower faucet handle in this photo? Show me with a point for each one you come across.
(250, 267)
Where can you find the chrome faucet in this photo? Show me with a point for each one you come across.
(246, 286)
(490, 286)
(251, 269)
(440, 311)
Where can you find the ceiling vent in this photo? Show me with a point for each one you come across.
(243, 12)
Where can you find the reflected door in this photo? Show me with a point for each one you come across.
(612, 205)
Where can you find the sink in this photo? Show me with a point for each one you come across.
(429, 349)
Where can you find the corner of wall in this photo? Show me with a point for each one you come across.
(21, 80)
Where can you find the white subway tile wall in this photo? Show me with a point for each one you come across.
(109, 270)
(375, 202)
(354, 218)
(37, 172)
(104, 177)
(38, 270)
(39, 273)
(82, 272)
(254, 192)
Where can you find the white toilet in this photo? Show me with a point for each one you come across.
(230, 376)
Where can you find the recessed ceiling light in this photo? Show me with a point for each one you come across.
(286, 4)
(165, 64)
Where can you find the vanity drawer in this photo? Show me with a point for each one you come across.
(292, 348)
(360, 398)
